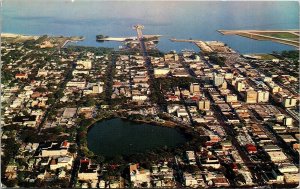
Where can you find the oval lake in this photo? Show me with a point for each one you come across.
(121, 137)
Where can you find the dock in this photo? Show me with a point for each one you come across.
(70, 40)
(123, 39)
(201, 44)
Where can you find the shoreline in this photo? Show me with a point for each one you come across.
(66, 42)
(18, 35)
(90, 126)
(24, 36)
(134, 121)
(181, 129)
(67, 39)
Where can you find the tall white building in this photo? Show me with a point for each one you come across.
(195, 88)
(240, 86)
(251, 96)
(231, 98)
(289, 102)
(85, 64)
(97, 89)
(204, 104)
(161, 71)
(218, 79)
(288, 121)
(262, 96)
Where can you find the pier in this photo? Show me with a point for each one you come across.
(201, 44)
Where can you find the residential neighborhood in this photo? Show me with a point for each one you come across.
(241, 118)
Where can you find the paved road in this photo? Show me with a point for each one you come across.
(162, 105)
(109, 79)
(74, 172)
(62, 87)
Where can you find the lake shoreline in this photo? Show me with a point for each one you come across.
(155, 123)
(137, 137)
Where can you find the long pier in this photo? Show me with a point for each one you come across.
(71, 40)
(201, 44)
(183, 40)
(123, 39)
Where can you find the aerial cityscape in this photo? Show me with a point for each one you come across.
(99, 94)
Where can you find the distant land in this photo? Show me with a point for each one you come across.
(288, 37)
(43, 40)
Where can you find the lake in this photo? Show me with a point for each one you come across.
(197, 20)
(120, 137)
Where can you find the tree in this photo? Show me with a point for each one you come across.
(90, 102)
(58, 130)
(11, 127)
(73, 148)
(90, 154)
(100, 159)
(59, 94)
(118, 159)
(11, 183)
(60, 183)
(240, 178)
(190, 168)
(51, 101)
(39, 183)
(144, 184)
(21, 176)
(41, 89)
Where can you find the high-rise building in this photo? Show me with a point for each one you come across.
(161, 71)
(228, 75)
(97, 89)
(251, 96)
(171, 57)
(204, 104)
(262, 96)
(288, 121)
(195, 88)
(85, 64)
(231, 98)
(240, 86)
(224, 85)
(218, 79)
(289, 102)
(276, 89)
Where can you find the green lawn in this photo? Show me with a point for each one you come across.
(265, 56)
(282, 35)
(265, 37)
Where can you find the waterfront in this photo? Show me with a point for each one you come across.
(119, 137)
(196, 20)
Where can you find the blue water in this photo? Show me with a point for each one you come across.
(197, 20)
